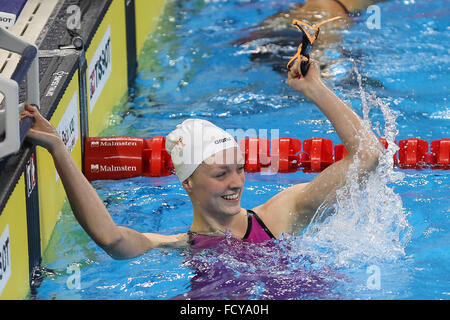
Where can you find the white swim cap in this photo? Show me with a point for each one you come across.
(192, 142)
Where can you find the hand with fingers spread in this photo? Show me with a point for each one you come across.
(42, 133)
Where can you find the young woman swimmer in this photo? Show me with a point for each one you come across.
(209, 165)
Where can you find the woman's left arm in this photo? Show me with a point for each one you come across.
(297, 205)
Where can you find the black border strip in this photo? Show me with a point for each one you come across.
(33, 223)
(130, 18)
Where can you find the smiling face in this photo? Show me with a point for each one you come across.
(216, 185)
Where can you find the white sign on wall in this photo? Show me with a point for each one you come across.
(100, 68)
(68, 127)
(5, 258)
(7, 19)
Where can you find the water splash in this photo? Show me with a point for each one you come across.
(235, 269)
(368, 223)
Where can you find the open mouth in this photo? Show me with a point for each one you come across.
(231, 197)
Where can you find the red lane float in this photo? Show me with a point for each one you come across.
(127, 157)
(156, 160)
(319, 153)
(257, 153)
(413, 153)
(285, 154)
(113, 157)
(340, 152)
(441, 151)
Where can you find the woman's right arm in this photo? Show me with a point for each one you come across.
(92, 214)
(88, 208)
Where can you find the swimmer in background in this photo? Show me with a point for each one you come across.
(215, 181)
(316, 10)
(277, 36)
(313, 11)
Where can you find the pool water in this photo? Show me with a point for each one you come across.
(387, 240)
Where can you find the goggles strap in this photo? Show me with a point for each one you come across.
(297, 56)
(326, 21)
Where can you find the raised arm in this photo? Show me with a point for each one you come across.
(346, 122)
(296, 206)
(88, 208)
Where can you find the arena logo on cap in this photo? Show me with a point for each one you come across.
(222, 140)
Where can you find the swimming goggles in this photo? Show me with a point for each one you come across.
(306, 45)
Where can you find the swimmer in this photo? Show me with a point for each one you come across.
(312, 11)
(210, 167)
(275, 37)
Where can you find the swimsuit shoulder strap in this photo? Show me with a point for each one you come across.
(251, 213)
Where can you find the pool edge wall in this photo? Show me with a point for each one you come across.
(31, 193)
